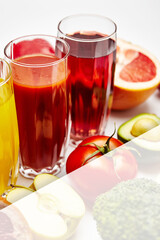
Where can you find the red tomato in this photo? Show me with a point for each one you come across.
(78, 157)
(125, 164)
(102, 172)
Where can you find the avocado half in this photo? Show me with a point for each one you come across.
(136, 126)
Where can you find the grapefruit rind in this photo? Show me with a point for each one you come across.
(130, 94)
(121, 60)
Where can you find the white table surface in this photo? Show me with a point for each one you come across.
(138, 21)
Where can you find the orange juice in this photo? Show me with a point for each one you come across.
(9, 140)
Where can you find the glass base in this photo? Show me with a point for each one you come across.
(75, 140)
(31, 173)
(74, 143)
(8, 189)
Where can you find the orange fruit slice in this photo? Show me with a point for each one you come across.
(137, 75)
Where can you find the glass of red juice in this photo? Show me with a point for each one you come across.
(91, 64)
(40, 76)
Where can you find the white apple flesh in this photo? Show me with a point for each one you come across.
(16, 194)
(43, 179)
(53, 212)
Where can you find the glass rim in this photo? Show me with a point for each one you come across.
(37, 65)
(83, 39)
(7, 78)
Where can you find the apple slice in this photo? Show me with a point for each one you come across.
(43, 179)
(40, 181)
(53, 212)
(17, 193)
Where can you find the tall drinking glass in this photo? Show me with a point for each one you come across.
(39, 66)
(92, 58)
(9, 139)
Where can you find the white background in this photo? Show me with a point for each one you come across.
(138, 21)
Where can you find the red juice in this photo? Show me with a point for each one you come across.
(41, 102)
(91, 66)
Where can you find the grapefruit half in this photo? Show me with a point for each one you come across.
(137, 75)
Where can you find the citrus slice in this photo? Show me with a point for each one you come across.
(137, 75)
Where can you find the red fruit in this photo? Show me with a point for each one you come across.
(137, 75)
(101, 172)
(29, 47)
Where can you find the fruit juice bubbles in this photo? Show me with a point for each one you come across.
(9, 139)
(39, 66)
(92, 41)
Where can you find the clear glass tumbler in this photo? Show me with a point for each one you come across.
(9, 139)
(39, 66)
(91, 64)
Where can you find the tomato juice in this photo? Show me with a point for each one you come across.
(40, 88)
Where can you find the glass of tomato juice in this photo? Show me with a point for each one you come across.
(92, 58)
(39, 67)
(9, 139)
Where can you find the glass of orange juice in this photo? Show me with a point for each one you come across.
(9, 140)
